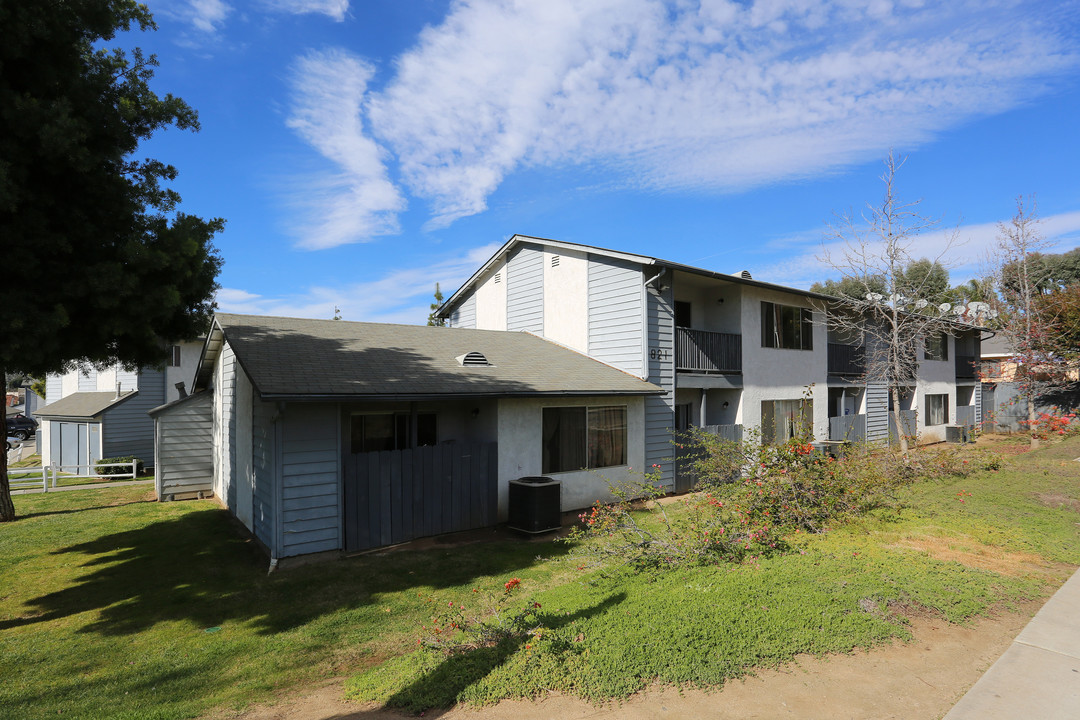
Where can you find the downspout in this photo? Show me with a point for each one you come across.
(645, 323)
(278, 535)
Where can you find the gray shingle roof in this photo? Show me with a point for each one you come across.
(290, 357)
(83, 404)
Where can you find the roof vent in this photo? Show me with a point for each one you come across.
(498, 278)
(555, 261)
(745, 275)
(473, 359)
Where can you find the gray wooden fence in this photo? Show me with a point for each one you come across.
(398, 495)
(685, 455)
(965, 414)
(848, 428)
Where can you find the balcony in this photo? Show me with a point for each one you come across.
(700, 351)
(846, 359)
(965, 366)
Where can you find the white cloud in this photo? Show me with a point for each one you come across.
(967, 258)
(401, 296)
(206, 16)
(357, 201)
(335, 9)
(716, 96)
(719, 96)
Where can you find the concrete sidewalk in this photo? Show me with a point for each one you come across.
(1039, 675)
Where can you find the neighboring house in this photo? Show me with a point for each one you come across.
(1005, 402)
(323, 435)
(91, 414)
(729, 351)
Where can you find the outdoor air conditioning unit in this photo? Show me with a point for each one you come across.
(958, 434)
(535, 504)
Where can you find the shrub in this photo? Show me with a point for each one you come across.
(637, 531)
(119, 469)
(1055, 423)
(487, 620)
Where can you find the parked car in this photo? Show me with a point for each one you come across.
(22, 427)
(13, 442)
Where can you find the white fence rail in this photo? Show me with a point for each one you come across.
(31, 478)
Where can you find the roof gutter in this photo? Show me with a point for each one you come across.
(299, 397)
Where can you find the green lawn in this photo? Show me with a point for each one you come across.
(113, 607)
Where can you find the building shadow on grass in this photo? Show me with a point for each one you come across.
(205, 568)
(441, 686)
(71, 511)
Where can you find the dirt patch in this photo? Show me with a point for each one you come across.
(917, 680)
(1057, 500)
(1005, 444)
(974, 555)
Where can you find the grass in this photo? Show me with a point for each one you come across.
(113, 607)
(62, 479)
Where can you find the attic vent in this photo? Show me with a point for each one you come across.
(554, 261)
(498, 278)
(745, 275)
(473, 359)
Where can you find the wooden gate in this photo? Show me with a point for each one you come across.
(399, 495)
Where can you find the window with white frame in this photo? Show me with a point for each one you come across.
(937, 410)
(786, 326)
(580, 438)
(174, 356)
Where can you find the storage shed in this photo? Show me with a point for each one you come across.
(329, 436)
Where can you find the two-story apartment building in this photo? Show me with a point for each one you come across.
(730, 351)
(562, 360)
(91, 414)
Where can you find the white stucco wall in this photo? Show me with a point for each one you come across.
(520, 452)
(777, 373)
(936, 377)
(69, 383)
(491, 298)
(106, 380)
(44, 445)
(189, 360)
(706, 309)
(566, 299)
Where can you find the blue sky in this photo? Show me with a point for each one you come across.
(362, 151)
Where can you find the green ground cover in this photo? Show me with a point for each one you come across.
(113, 607)
(17, 473)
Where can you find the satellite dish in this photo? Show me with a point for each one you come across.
(920, 304)
(944, 307)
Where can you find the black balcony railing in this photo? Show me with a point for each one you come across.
(708, 352)
(965, 366)
(846, 359)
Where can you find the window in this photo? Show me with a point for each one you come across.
(682, 416)
(577, 438)
(682, 314)
(786, 326)
(782, 420)
(937, 410)
(937, 347)
(174, 356)
(387, 431)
